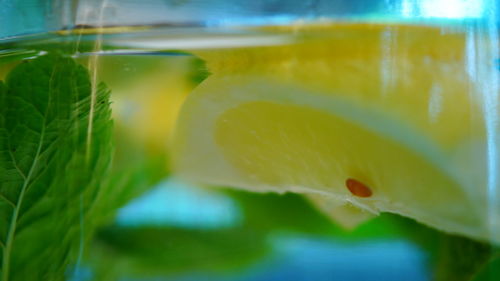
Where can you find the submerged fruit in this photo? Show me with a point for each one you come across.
(389, 112)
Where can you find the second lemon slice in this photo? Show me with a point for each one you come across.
(317, 118)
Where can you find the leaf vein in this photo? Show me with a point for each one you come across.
(15, 214)
(14, 162)
(7, 200)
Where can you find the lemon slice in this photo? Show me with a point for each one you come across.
(322, 117)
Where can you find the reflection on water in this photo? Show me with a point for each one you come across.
(177, 204)
(452, 9)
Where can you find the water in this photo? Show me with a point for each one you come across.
(430, 91)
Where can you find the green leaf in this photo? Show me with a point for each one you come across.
(491, 270)
(452, 257)
(458, 258)
(55, 147)
(199, 71)
(121, 252)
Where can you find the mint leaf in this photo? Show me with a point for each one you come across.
(199, 71)
(491, 270)
(120, 253)
(458, 258)
(55, 146)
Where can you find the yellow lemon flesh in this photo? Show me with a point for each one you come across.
(390, 108)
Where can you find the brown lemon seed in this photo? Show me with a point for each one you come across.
(358, 188)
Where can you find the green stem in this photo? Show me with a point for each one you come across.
(10, 236)
(15, 214)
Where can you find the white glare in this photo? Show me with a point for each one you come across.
(451, 9)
